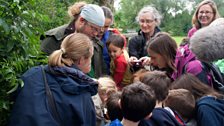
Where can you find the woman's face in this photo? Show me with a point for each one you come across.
(106, 26)
(147, 22)
(85, 63)
(157, 60)
(205, 15)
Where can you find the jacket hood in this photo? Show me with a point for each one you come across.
(74, 81)
(208, 43)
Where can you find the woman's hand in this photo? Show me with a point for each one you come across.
(145, 60)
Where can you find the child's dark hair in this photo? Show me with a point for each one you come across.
(113, 107)
(116, 40)
(137, 101)
(159, 82)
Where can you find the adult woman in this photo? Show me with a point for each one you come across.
(149, 20)
(209, 103)
(163, 55)
(70, 86)
(206, 12)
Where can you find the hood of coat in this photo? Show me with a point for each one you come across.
(74, 81)
(208, 43)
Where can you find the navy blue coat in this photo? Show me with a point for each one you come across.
(210, 111)
(160, 117)
(72, 91)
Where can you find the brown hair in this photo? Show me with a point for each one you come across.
(75, 9)
(194, 85)
(73, 47)
(159, 82)
(138, 74)
(162, 43)
(113, 107)
(182, 101)
(116, 40)
(212, 4)
(108, 13)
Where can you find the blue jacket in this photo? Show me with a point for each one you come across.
(210, 111)
(72, 91)
(106, 55)
(160, 117)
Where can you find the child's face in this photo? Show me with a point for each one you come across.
(114, 51)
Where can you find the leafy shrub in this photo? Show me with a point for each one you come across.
(21, 24)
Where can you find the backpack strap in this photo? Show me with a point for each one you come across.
(216, 75)
(50, 98)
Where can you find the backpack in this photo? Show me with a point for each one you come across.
(186, 58)
(217, 77)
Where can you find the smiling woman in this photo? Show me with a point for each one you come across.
(206, 12)
(149, 19)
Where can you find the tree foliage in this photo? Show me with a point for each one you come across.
(23, 21)
(176, 14)
(21, 24)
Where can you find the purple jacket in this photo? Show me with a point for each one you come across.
(186, 62)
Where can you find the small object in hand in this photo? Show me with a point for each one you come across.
(138, 63)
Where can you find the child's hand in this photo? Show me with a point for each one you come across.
(132, 60)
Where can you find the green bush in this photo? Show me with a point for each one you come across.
(21, 24)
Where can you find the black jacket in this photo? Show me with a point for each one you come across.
(136, 46)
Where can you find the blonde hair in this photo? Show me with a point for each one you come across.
(107, 85)
(73, 47)
(75, 9)
(212, 4)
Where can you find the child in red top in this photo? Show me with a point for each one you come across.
(119, 67)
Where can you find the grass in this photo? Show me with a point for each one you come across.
(178, 39)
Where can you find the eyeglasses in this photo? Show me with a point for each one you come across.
(147, 21)
(205, 12)
(94, 28)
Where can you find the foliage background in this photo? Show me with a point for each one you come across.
(23, 21)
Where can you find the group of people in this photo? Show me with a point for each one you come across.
(95, 78)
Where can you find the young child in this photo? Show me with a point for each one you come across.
(106, 87)
(159, 82)
(138, 74)
(182, 102)
(119, 67)
(113, 107)
(137, 102)
(209, 103)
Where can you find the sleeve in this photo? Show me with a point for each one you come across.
(195, 68)
(49, 45)
(120, 68)
(205, 116)
(132, 47)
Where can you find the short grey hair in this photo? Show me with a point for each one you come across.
(208, 43)
(151, 9)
